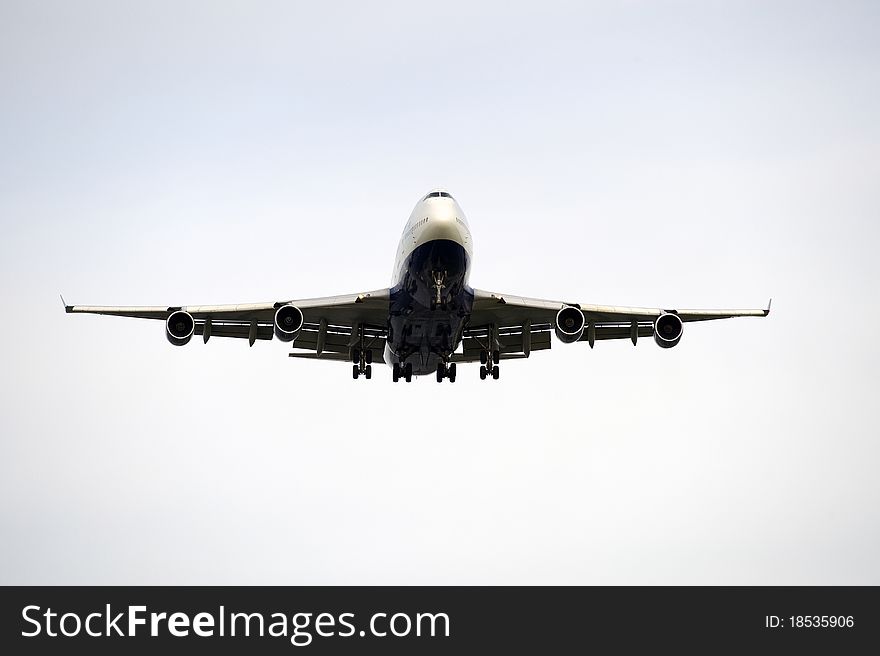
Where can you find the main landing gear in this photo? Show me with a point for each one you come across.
(446, 371)
(489, 364)
(398, 372)
(363, 363)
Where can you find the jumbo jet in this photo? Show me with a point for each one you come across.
(429, 320)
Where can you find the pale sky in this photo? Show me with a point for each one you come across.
(672, 154)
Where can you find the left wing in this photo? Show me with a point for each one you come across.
(511, 309)
(331, 326)
(515, 325)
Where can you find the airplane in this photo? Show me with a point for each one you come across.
(429, 320)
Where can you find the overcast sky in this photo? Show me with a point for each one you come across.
(673, 154)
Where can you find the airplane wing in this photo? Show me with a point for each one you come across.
(515, 325)
(331, 325)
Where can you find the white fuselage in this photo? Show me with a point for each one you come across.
(433, 218)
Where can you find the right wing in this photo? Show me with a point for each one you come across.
(332, 325)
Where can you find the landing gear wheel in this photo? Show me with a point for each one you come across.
(368, 356)
(482, 372)
(495, 372)
(356, 355)
(484, 357)
(441, 372)
(451, 373)
(395, 372)
(496, 356)
(407, 372)
(368, 371)
(355, 371)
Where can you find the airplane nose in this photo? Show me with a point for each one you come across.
(445, 225)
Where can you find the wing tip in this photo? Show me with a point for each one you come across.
(767, 311)
(67, 308)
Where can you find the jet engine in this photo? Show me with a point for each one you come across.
(667, 330)
(179, 327)
(569, 325)
(288, 322)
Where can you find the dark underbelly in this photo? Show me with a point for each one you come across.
(431, 306)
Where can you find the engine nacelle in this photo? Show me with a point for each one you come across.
(179, 327)
(569, 325)
(288, 322)
(667, 330)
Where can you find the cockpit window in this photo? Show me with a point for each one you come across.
(438, 194)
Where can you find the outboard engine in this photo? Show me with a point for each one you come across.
(667, 330)
(288, 322)
(569, 324)
(179, 327)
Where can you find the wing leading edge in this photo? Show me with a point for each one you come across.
(508, 309)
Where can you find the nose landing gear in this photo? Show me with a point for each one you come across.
(439, 284)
